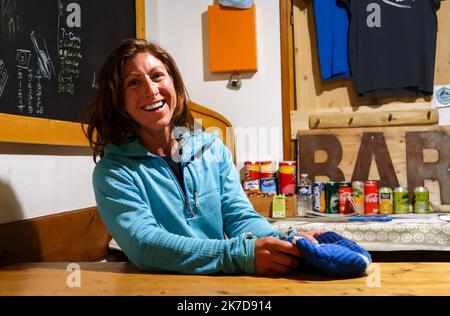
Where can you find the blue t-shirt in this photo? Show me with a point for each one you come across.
(332, 23)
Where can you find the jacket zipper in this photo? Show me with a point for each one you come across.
(186, 199)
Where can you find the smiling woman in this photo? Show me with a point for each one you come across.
(169, 194)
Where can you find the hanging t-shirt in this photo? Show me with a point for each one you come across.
(332, 24)
(392, 46)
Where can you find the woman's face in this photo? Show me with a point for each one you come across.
(150, 97)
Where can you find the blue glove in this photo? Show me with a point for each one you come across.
(335, 255)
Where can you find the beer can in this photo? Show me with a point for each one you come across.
(251, 171)
(345, 193)
(319, 197)
(421, 203)
(386, 200)
(267, 169)
(331, 197)
(371, 197)
(286, 177)
(358, 196)
(401, 200)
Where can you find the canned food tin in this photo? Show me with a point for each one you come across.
(332, 197)
(386, 201)
(251, 171)
(358, 196)
(286, 175)
(345, 193)
(401, 200)
(268, 185)
(251, 186)
(319, 197)
(371, 197)
(267, 169)
(421, 200)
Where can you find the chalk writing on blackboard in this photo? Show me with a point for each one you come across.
(9, 19)
(3, 77)
(69, 46)
(51, 52)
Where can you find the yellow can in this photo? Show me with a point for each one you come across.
(386, 201)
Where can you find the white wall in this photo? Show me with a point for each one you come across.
(37, 180)
(180, 27)
(40, 180)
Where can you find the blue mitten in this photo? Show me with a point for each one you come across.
(335, 255)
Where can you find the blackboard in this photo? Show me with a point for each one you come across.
(51, 52)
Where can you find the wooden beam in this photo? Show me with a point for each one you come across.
(286, 75)
(383, 118)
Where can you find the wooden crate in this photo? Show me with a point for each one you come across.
(263, 204)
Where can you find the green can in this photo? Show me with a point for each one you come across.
(421, 200)
(332, 197)
(401, 200)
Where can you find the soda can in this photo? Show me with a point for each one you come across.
(332, 197)
(358, 196)
(286, 175)
(421, 203)
(371, 197)
(345, 193)
(251, 171)
(319, 197)
(386, 200)
(401, 200)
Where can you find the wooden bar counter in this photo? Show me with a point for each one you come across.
(120, 278)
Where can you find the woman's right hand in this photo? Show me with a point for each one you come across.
(275, 256)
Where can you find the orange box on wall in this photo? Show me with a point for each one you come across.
(232, 38)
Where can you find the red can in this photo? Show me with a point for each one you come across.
(251, 171)
(371, 197)
(267, 169)
(345, 193)
(286, 174)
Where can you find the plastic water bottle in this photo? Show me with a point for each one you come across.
(304, 195)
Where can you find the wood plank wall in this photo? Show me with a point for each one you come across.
(315, 96)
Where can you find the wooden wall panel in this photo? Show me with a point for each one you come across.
(411, 152)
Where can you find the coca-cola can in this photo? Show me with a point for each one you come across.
(371, 197)
(345, 193)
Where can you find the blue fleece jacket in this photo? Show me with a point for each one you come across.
(209, 229)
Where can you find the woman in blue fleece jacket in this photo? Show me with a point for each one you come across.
(169, 194)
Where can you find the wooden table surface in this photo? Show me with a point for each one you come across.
(119, 278)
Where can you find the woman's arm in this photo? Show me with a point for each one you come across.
(238, 213)
(130, 221)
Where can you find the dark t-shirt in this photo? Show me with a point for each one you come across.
(176, 169)
(392, 46)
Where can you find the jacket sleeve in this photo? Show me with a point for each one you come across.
(130, 221)
(239, 215)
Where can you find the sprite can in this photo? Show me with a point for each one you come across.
(332, 197)
(401, 200)
(421, 201)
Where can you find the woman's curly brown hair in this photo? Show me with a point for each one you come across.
(108, 121)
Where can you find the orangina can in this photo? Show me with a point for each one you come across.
(401, 200)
